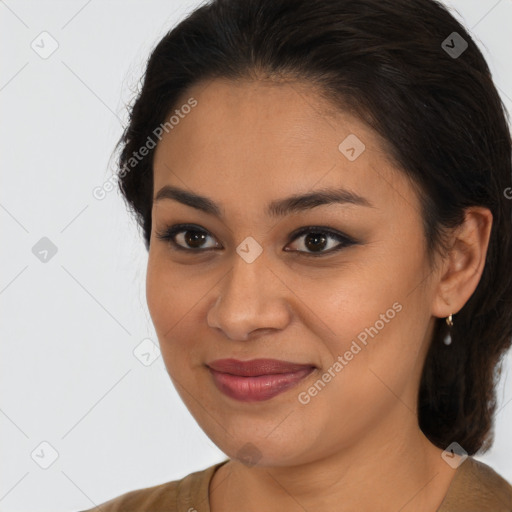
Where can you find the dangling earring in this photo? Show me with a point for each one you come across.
(448, 338)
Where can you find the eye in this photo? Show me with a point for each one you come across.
(190, 238)
(316, 239)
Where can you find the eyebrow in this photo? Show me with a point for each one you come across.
(277, 208)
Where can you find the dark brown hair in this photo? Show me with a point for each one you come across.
(441, 118)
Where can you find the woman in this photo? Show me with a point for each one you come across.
(324, 191)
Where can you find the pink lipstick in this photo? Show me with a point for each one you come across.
(258, 379)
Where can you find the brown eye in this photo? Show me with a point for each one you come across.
(194, 239)
(316, 241)
(185, 237)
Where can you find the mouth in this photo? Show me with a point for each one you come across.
(258, 379)
(256, 367)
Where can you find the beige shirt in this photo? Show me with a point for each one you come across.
(476, 487)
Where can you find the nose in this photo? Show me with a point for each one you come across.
(251, 297)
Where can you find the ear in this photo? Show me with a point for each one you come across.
(463, 267)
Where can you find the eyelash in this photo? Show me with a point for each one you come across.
(170, 232)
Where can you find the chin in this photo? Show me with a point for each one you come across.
(259, 449)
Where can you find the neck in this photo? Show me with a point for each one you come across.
(394, 469)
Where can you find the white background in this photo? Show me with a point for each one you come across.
(69, 326)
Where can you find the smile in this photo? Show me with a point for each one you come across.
(259, 388)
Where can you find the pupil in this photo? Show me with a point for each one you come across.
(192, 239)
(315, 238)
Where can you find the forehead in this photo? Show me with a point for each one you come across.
(263, 139)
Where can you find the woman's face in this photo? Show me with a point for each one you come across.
(361, 315)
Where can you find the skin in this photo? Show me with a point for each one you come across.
(244, 145)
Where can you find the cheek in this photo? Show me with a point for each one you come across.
(177, 299)
(364, 314)
(159, 291)
(344, 301)
(170, 292)
(379, 345)
(166, 297)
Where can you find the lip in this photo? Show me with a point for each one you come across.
(256, 367)
(258, 379)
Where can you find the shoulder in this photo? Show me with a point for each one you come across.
(142, 499)
(476, 486)
(189, 493)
